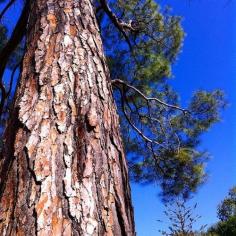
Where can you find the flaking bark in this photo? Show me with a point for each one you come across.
(63, 170)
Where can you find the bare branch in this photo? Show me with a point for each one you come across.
(120, 25)
(3, 97)
(15, 39)
(118, 81)
(130, 122)
(6, 8)
(12, 78)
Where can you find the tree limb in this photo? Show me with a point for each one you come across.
(15, 39)
(120, 25)
(12, 78)
(6, 8)
(118, 81)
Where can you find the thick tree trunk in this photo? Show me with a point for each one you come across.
(64, 171)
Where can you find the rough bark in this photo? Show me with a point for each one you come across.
(63, 170)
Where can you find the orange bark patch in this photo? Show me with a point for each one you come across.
(42, 167)
(92, 117)
(67, 10)
(73, 30)
(106, 117)
(40, 206)
(20, 232)
(39, 108)
(53, 134)
(52, 20)
(50, 51)
(18, 141)
(31, 149)
(56, 224)
(66, 227)
(62, 116)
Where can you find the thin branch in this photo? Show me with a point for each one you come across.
(12, 78)
(131, 123)
(118, 81)
(6, 8)
(3, 97)
(15, 39)
(140, 133)
(120, 25)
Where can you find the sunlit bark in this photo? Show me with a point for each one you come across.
(63, 170)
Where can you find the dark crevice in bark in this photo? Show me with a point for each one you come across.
(76, 229)
(120, 219)
(30, 167)
(34, 215)
(98, 203)
(81, 146)
(16, 191)
(127, 197)
(8, 150)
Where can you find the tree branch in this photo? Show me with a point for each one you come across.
(15, 39)
(12, 78)
(120, 25)
(118, 81)
(6, 8)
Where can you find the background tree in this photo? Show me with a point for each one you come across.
(227, 214)
(227, 208)
(141, 42)
(182, 219)
(223, 228)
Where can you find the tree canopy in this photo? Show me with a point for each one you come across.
(142, 41)
(161, 138)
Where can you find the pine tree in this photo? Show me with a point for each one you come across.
(62, 169)
(68, 175)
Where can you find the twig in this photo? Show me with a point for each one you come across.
(12, 78)
(15, 39)
(120, 25)
(6, 8)
(118, 81)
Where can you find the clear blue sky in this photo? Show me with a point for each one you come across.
(207, 61)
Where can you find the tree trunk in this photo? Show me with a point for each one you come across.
(63, 169)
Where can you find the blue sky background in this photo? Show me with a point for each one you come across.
(207, 61)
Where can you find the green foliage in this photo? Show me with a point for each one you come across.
(227, 207)
(180, 172)
(154, 47)
(227, 214)
(177, 165)
(224, 228)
